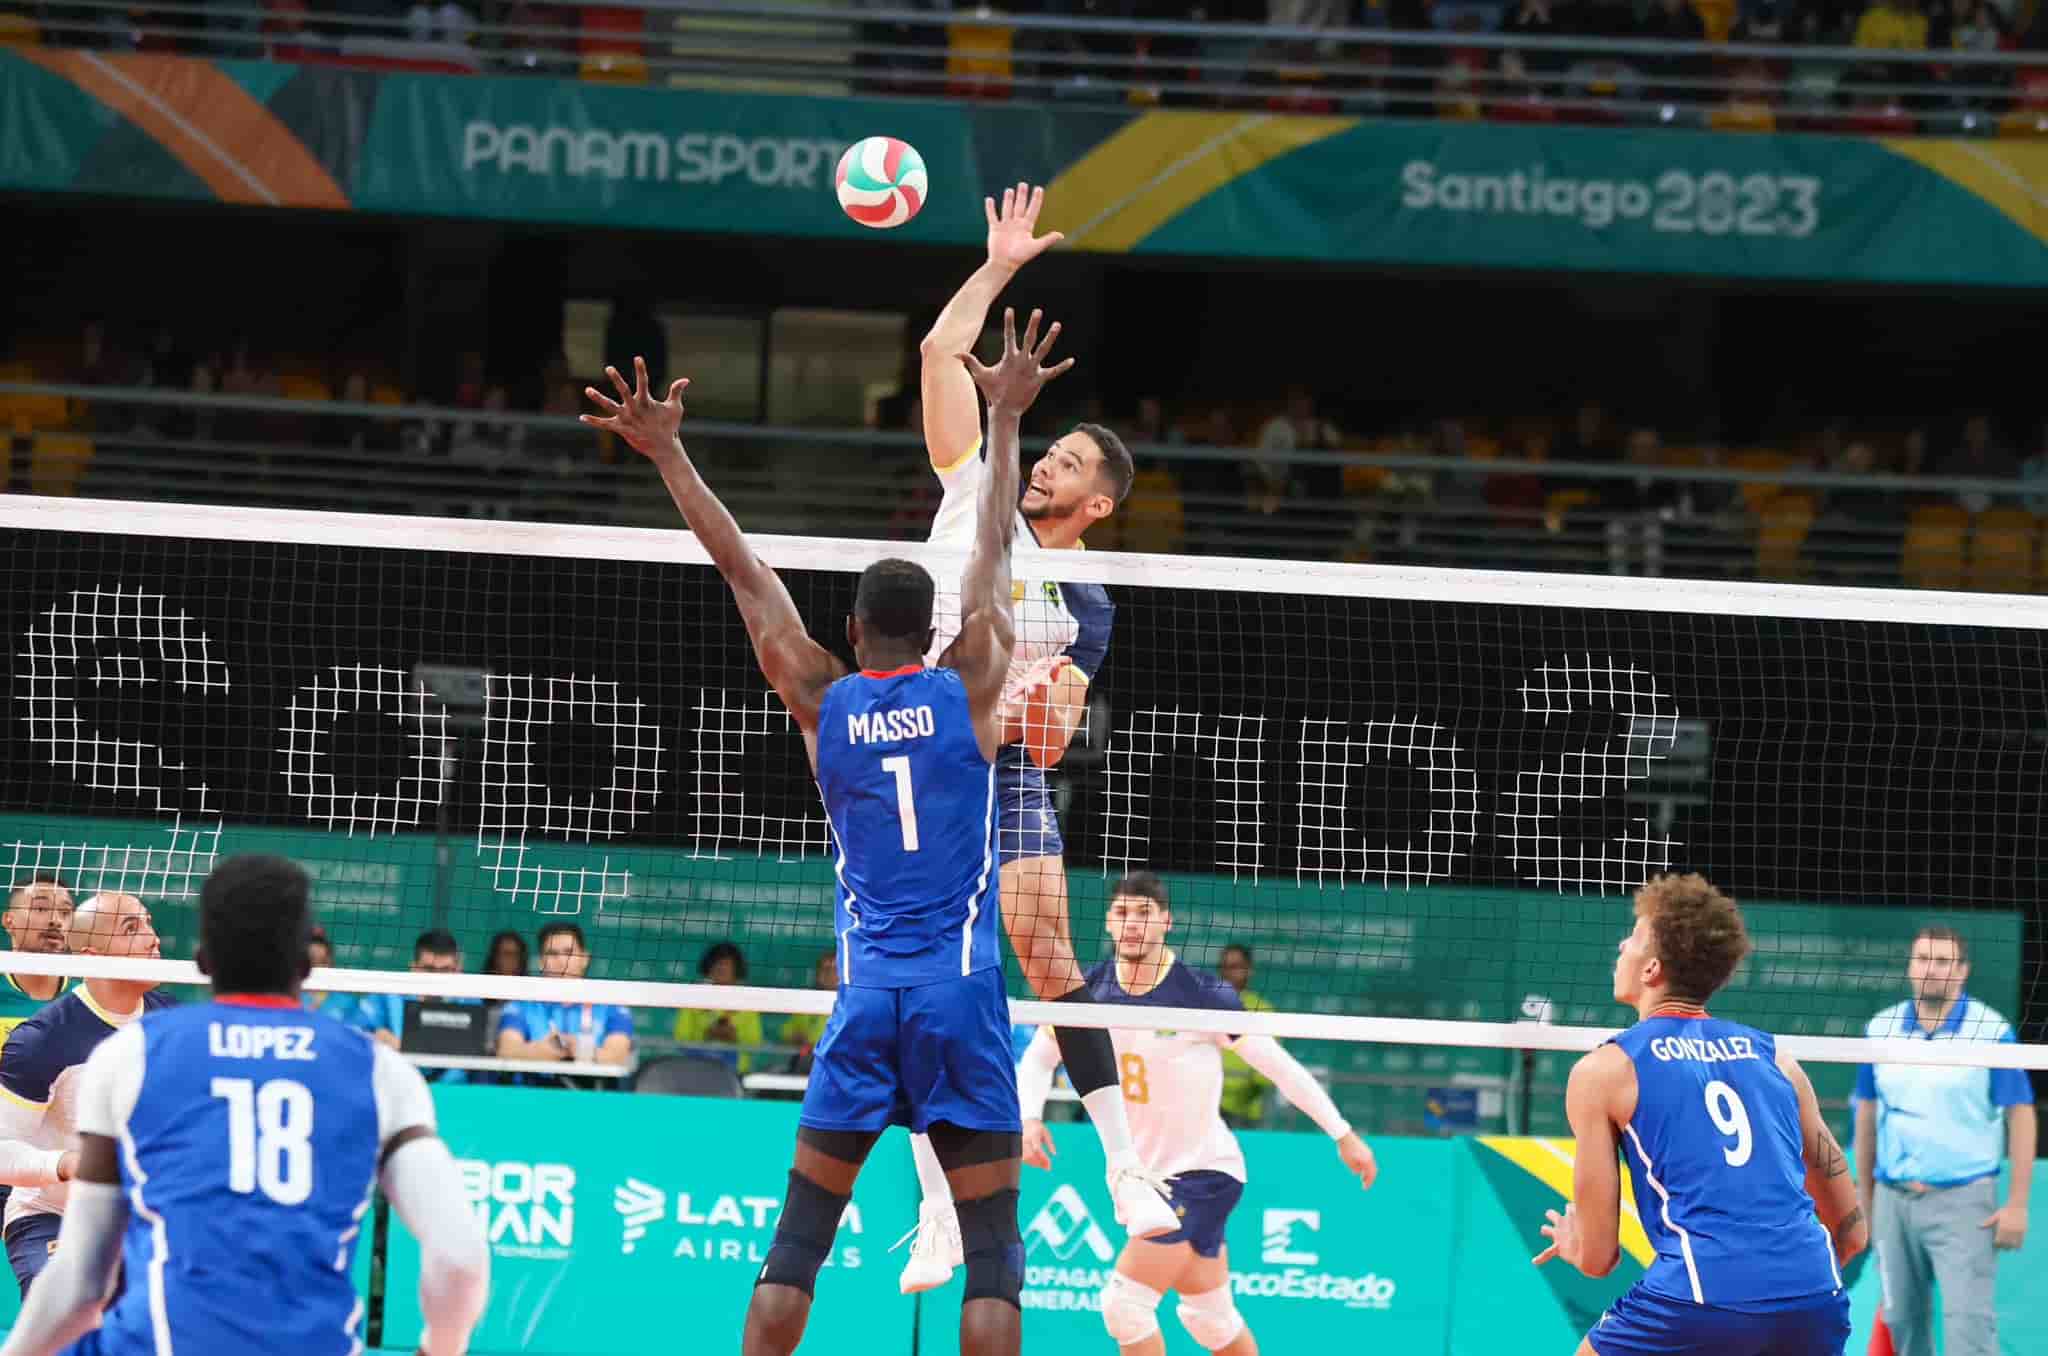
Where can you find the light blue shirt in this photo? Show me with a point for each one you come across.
(1941, 1125)
(590, 1023)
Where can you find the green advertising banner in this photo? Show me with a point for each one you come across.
(1206, 184)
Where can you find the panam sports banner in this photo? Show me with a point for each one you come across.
(1215, 184)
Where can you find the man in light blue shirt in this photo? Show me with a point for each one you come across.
(1928, 1144)
(599, 1033)
(435, 952)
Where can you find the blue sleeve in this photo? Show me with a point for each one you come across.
(1866, 1083)
(1093, 613)
(511, 1017)
(27, 1068)
(373, 1013)
(2011, 1087)
(617, 1022)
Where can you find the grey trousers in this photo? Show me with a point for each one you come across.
(1938, 1238)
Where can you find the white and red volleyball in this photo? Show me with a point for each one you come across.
(881, 182)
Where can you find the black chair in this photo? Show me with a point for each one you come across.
(689, 1076)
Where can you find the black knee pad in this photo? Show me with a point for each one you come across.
(958, 1147)
(994, 1248)
(803, 1235)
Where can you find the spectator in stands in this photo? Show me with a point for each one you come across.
(1533, 19)
(507, 955)
(1150, 427)
(1298, 428)
(600, 1033)
(1980, 456)
(723, 963)
(1637, 507)
(446, 22)
(434, 952)
(1244, 1091)
(1851, 507)
(802, 1029)
(320, 955)
(1976, 26)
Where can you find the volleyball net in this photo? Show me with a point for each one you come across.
(1418, 800)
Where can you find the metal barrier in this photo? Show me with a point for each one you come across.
(1526, 72)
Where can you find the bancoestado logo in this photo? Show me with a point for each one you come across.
(1676, 202)
(715, 1226)
(1068, 1259)
(644, 156)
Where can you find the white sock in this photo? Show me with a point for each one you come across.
(931, 1178)
(1106, 1112)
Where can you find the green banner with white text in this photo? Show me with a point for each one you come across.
(1178, 182)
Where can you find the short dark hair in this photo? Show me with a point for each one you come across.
(895, 599)
(1239, 947)
(436, 942)
(1143, 884)
(1698, 932)
(38, 878)
(1941, 932)
(255, 920)
(498, 939)
(1117, 467)
(559, 930)
(719, 951)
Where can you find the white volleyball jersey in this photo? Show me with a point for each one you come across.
(1053, 619)
(1172, 1080)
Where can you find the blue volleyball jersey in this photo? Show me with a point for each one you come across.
(912, 805)
(250, 1134)
(1719, 1167)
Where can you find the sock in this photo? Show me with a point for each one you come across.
(1106, 1112)
(931, 1178)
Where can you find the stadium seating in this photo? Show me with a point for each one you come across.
(57, 462)
(2002, 551)
(1783, 523)
(689, 1076)
(1932, 554)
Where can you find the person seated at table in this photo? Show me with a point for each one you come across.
(802, 1029)
(434, 952)
(721, 964)
(585, 1033)
(320, 955)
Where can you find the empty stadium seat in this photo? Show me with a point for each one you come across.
(1743, 116)
(1154, 518)
(2023, 122)
(1932, 554)
(57, 462)
(1783, 524)
(25, 414)
(293, 387)
(1757, 493)
(689, 1076)
(17, 30)
(2002, 551)
(978, 59)
(614, 68)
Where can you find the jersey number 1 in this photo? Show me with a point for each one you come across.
(270, 1138)
(906, 808)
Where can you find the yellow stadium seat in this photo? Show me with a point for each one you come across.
(1757, 493)
(2002, 551)
(1560, 502)
(1743, 116)
(303, 388)
(1932, 555)
(2024, 122)
(1784, 522)
(382, 394)
(1362, 482)
(25, 414)
(1717, 16)
(615, 68)
(978, 57)
(57, 462)
(1154, 517)
(19, 31)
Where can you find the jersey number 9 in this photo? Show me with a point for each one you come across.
(1731, 1118)
(270, 1138)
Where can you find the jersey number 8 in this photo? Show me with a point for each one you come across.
(1731, 1118)
(270, 1138)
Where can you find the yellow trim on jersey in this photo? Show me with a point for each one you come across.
(973, 451)
(21, 1101)
(112, 1019)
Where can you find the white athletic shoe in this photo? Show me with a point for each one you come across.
(934, 1248)
(1141, 1202)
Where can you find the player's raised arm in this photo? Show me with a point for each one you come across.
(952, 414)
(796, 666)
(1827, 1170)
(981, 652)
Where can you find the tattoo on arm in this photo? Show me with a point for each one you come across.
(1849, 1221)
(1827, 1154)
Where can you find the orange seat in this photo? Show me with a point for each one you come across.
(382, 394)
(1932, 554)
(1717, 16)
(1757, 493)
(25, 414)
(1743, 116)
(1154, 517)
(18, 30)
(57, 462)
(303, 388)
(2002, 551)
(614, 68)
(2023, 122)
(1784, 522)
(1362, 482)
(978, 59)
(1560, 502)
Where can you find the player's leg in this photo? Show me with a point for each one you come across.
(31, 1241)
(1207, 1309)
(827, 1162)
(1904, 1271)
(1145, 1271)
(982, 1168)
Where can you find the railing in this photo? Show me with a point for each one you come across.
(1528, 72)
(1784, 522)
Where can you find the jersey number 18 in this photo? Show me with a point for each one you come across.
(270, 1138)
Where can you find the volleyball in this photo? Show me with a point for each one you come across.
(881, 181)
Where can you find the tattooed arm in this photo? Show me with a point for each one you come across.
(1827, 1171)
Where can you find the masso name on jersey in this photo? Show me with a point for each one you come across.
(227, 1040)
(1718, 1050)
(890, 727)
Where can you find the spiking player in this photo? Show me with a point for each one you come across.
(1730, 1158)
(1062, 638)
(236, 1143)
(1173, 1082)
(905, 761)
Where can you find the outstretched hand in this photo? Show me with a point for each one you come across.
(648, 424)
(1010, 240)
(1020, 374)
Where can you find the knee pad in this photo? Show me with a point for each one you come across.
(1211, 1317)
(993, 1248)
(1129, 1310)
(803, 1235)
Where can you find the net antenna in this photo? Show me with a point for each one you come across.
(1420, 797)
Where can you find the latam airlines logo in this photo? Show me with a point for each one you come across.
(716, 1227)
(1063, 1227)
